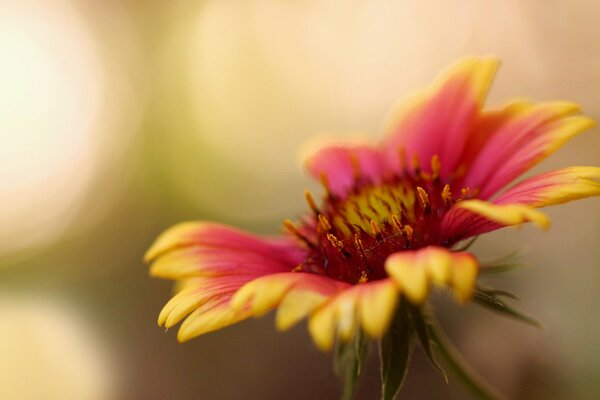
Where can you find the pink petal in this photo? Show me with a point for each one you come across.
(439, 121)
(341, 166)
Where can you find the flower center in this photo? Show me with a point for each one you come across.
(350, 238)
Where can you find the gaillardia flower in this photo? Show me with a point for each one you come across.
(389, 224)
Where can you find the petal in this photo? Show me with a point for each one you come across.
(508, 143)
(206, 249)
(377, 303)
(554, 187)
(474, 217)
(438, 122)
(369, 306)
(518, 204)
(265, 293)
(197, 293)
(340, 167)
(413, 271)
(210, 317)
(212, 235)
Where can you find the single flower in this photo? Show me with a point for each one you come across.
(389, 224)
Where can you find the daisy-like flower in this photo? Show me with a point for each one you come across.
(362, 261)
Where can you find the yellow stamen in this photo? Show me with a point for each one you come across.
(446, 194)
(297, 268)
(375, 228)
(363, 277)
(289, 225)
(325, 182)
(335, 242)
(423, 197)
(397, 221)
(355, 163)
(416, 164)
(311, 201)
(324, 222)
(435, 166)
(409, 231)
(464, 193)
(402, 157)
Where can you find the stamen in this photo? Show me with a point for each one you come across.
(338, 244)
(409, 231)
(464, 192)
(355, 164)
(289, 225)
(363, 277)
(446, 194)
(324, 222)
(416, 164)
(435, 166)
(402, 157)
(298, 268)
(325, 182)
(397, 222)
(424, 199)
(311, 201)
(376, 230)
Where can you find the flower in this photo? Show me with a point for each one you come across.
(390, 220)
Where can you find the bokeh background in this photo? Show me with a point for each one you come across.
(121, 118)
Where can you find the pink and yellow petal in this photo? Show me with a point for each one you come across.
(205, 249)
(474, 217)
(523, 135)
(368, 306)
(217, 236)
(506, 214)
(554, 187)
(449, 109)
(197, 292)
(414, 271)
(209, 317)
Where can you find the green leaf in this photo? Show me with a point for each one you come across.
(469, 377)
(490, 299)
(348, 363)
(420, 323)
(395, 352)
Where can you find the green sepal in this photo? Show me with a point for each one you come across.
(420, 322)
(395, 351)
(460, 369)
(348, 362)
(490, 299)
(465, 245)
(503, 264)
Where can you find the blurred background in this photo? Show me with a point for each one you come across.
(121, 118)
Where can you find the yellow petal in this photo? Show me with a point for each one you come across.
(202, 321)
(376, 306)
(506, 214)
(296, 306)
(182, 234)
(321, 326)
(439, 265)
(464, 276)
(410, 274)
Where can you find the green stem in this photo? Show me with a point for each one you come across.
(478, 386)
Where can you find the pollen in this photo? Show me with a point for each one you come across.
(350, 238)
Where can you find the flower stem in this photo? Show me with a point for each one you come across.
(478, 386)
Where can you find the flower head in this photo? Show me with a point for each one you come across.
(387, 227)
